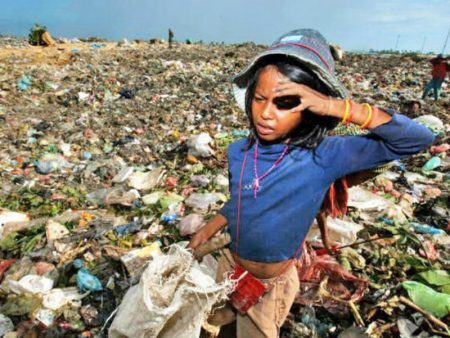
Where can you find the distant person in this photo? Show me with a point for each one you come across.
(171, 36)
(440, 69)
(413, 108)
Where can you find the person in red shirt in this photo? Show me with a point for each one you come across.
(440, 69)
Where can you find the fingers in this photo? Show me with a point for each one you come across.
(298, 108)
(288, 88)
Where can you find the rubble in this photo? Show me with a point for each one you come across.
(112, 152)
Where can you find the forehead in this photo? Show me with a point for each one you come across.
(269, 76)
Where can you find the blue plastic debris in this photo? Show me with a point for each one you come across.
(399, 165)
(240, 132)
(426, 229)
(98, 45)
(24, 82)
(85, 280)
(432, 164)
(169, 217)
(128, 228)
(86, 156)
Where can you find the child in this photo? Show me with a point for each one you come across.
(280, 174)
(440, 69)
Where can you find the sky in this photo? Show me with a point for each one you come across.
(356, 25)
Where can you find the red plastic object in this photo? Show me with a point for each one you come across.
(4, 266)
(324, 251)
(248, 291)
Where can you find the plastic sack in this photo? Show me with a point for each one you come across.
(425, 297)
(171, 300)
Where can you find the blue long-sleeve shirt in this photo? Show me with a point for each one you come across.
(274, 224)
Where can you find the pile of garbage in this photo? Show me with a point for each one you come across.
(110, 153)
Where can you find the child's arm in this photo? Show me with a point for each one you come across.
(391, 137)
(398, 138)
(210, 229)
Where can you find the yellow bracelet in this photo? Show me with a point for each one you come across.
(347, 111)
(369, 116)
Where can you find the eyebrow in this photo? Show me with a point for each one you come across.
(259, 94)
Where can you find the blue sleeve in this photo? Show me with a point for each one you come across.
(393, 140)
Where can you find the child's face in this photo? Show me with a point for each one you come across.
(272, 122)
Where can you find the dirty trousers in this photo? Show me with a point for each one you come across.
(264, 319)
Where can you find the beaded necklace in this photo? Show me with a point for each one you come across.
(258, 179)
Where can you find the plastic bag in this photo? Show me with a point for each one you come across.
(145, 181)
(199, 145)
(201, 201)
(323, 281)
(425, 297)
(11, 217)
(6, 325)
(436, 277)
(171, 300)
(50, 163)
(31, 284)
(431, 122)
(339, 231)
(191, 224)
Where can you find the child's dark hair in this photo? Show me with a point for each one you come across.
(313, 128)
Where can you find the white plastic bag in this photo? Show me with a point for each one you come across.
(339, 231)
(199, 145)
(171, 300)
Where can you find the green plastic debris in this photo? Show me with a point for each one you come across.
(169, 199)
(446, 289)
(20, 305)
(432, 164)
(436, 277)
(425, 297)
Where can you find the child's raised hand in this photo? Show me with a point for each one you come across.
(310, 99)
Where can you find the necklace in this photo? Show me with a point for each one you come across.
(258, 179)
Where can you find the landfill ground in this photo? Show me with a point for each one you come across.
(111, 152)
